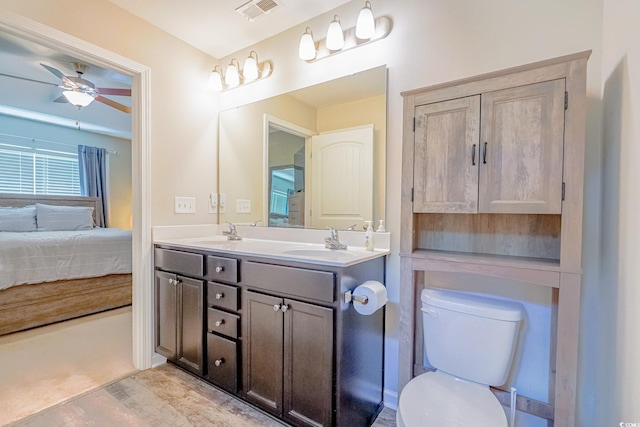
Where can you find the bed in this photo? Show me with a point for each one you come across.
(48, 275)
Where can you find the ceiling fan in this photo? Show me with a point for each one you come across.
(81, 92)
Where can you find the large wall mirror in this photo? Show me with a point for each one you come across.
(312, 158)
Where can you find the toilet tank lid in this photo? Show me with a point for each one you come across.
(472, 304)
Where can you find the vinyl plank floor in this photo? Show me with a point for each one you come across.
(163, 396)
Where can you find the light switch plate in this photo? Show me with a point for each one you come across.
(183, 205)
(243, 206)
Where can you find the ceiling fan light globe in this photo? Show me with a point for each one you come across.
(365, 25)
(79, 99)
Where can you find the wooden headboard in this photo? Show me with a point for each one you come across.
(20, 200)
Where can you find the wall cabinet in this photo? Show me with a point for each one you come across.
(495, 152)
(289, 358)
(492, 185)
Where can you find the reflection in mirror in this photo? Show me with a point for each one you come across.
(310, 158)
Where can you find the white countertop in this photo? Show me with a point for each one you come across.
(299, 245)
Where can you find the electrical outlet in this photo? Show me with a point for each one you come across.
(184, 205)
(243, 206)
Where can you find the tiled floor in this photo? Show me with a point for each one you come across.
(163, 396)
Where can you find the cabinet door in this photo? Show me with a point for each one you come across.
(308, 364)
(191, 324)
(522, 133)
(262, 350)
(166, 314)
(446, 156)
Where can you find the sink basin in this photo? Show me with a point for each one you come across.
(217, 240)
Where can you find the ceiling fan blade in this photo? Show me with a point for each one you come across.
(59, 74)
(113, 91)
(30, 80)
(113, 104)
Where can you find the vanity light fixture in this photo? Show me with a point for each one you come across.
(235, 77)
(78, 98)
(335, 37)
(366, 24)
(367, 30)
(307, 48)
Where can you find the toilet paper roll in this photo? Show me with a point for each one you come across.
(376, 294)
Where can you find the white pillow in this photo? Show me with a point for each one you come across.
(64, 218)
(18, 219)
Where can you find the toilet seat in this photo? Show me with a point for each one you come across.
(440, 400)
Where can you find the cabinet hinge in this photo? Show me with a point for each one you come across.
(563, 191)
(566, 100)
(414, 124)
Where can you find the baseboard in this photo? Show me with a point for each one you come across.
(391, 399)
(157, 360)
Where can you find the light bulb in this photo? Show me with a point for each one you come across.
(335, 37)
(232, 76)
(250, 70)
(307, 48)
(366, 25)
(79, 99)
(215, 80)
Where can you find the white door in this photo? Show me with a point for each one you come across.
(342, 178)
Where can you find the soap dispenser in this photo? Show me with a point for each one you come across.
(368, 237)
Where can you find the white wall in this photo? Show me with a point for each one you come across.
(619, 291)
(433, 42)
(67, 140)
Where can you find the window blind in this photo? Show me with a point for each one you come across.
(37, 171)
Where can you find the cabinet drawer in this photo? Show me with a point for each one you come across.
(186, 263)
(222, 269)
(222, 322)
(300, 282)
(223, 296)
(222, 362)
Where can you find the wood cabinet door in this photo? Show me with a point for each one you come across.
(308, 364)
(191, 324)
(262, 351)
(522, 131)
(166, 314)
(446, 156)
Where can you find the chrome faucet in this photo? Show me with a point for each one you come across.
(333, 242)
(232, 234)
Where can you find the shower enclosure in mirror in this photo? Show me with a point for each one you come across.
(311, 158)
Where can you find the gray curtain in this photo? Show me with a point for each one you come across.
(92, 167)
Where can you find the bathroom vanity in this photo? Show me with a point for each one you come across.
(267, 322)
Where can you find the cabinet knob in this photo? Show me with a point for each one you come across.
(276, 307)
(220, 322)
(219, 295)
(219, 269)
(284, 307)
(219, 362)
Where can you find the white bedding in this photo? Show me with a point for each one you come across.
(47, 256)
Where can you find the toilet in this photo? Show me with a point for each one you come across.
(470, 341)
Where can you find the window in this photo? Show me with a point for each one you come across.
(29, 170)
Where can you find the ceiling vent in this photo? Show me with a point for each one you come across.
(256, 8)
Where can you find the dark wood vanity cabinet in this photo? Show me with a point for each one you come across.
(179, 320)
(289, 358)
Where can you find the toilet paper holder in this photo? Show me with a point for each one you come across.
(349, 297)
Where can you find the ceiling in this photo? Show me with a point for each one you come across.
(215, 27)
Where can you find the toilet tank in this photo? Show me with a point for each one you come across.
(469, 336)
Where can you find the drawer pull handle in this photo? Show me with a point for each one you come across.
(284, 307)
(219, 295)
(220, 322)
(219, 269)
(219, 362)
(276, 307)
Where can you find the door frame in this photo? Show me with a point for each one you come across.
(142, 267)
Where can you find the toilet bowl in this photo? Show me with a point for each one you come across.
(470, 341)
